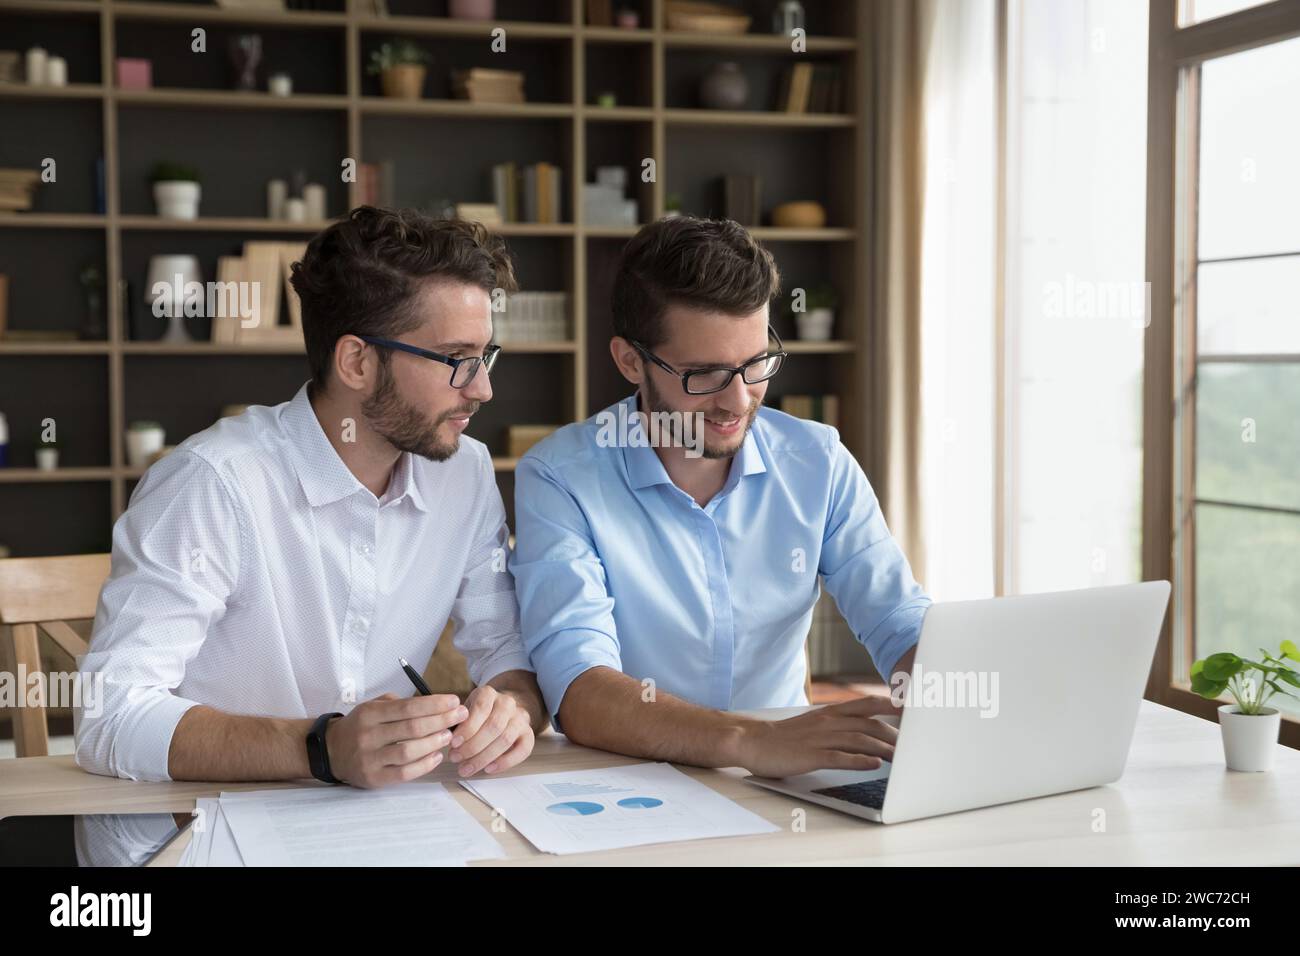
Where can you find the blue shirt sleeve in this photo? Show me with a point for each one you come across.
(566, 612)
(864, 569)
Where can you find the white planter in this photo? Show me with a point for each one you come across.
(177, 199)
(1249, 742)
(815, 325)
(142, 444)
(47, 459)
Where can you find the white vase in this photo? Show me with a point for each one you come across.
(814, 325)
(142, 444)
(1249, 742)
(166, 280)
(177, 199)
(47, 459)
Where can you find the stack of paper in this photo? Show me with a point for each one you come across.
(416, 825)
(616, 807)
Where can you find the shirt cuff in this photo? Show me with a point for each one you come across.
(499, 665)
(563, 656)
(906, 634)
(141, 745)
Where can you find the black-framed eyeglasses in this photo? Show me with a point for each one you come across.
(463, 370)
(702, 381)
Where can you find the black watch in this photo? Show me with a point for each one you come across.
(317, 753)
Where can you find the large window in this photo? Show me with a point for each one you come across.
(1238, 484)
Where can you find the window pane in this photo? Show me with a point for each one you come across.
(1248, 434)
(1249, 200)
(1247, 583)
(1252, 306)
(1195, 11)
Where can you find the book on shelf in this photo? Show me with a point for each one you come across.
(532, 193)
(269, 264)
(532, 317)
(810, 88)
(484, 212)
(816, 408)
(742, 198)
(376, 184)
(18, 188)
(600, 13)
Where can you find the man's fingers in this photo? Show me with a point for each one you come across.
(408, 751)
(838, 760)
(862, 725)
(866, 706)
(404, 708)
(489, 753)
(855, 743)
(414, 727)
(480, 708)
(515, 755)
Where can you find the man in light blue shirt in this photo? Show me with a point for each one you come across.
(667, 563)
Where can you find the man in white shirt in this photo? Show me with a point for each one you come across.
(271, 571)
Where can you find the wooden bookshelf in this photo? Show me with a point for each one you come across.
(441, 147)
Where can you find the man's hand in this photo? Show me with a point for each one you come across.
(496, 735)
(844, 736)
(392, 739)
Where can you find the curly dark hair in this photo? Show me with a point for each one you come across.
(700, 263)
(359, 275)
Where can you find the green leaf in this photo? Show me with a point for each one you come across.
(1290, 650)
(1207, 688)
(1220, 667)
(1290, 676)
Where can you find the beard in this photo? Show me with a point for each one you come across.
(656, 402)
(404, 426)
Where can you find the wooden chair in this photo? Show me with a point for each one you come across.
(43, 594)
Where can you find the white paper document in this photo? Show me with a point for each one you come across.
(622, 806)
(211, 842)
(414, 825)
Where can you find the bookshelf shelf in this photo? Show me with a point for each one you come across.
(438, 148)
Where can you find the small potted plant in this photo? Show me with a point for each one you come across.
(176, 190)
(1250, 729)
(672, 205)
(401, 66)
(47, 454)
(815, 322)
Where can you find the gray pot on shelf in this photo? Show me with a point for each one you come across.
(724, 88)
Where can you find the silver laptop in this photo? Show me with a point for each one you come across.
(1010, 698)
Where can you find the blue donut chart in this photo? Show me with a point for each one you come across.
(575, 808)
(640, 803)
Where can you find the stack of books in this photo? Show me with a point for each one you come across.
(533, 317)
(488, 86)
(259, 278)
(810, 88)
(528, 194)
(17, 188)
(817, 408)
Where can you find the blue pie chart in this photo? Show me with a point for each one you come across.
(640, 803)
(575, 808)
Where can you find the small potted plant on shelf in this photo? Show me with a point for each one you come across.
(144, 439)
(1250, 729)
(815, 322)
(672, 205)
(401, 66)
(176, 190)
(47, 454)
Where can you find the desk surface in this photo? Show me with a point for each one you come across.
(1175, 805)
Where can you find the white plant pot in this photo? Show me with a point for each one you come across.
(142, 444)
(815, 325)
(47, 459)
(177, 199)
(1249, 742)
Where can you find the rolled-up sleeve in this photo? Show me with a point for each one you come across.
(175, 566)
(864, 569)
(565, 607)
(485, 612)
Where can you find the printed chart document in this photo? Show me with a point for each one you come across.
(622, 806)
(412, 825)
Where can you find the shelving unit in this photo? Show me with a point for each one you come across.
(440, 148)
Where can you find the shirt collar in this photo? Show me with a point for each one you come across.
(321, 472)
(644, 468)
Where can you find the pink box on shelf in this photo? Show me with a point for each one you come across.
(134, 74)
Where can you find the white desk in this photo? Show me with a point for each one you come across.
(1175, 805)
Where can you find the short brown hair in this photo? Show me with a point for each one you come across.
(359, 275)
(699, 263)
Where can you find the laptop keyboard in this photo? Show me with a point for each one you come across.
(868, 793)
